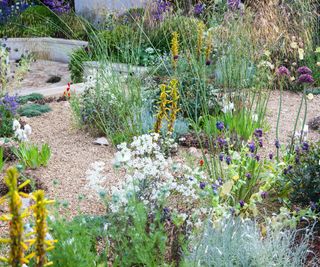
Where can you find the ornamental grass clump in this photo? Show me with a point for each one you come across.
(18, 244)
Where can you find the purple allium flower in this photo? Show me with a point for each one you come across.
(304, 70)
(305, 78)
(198, 9)
(221, 156)
(222, 142)
(264, 195)
(260, 142)
(277, 144)
(257, 157)
(283, 71)
(220, 125)
(249, 176)
(313, 206)
(258, 133)
(305, 146)
(202, 185)
(252, 147)
(233, 4)
(241, 202)
(228, 160)
(215, 188)
(270, 156)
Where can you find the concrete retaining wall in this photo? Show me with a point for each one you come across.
(44, 48)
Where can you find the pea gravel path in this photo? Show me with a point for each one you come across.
(72, 155)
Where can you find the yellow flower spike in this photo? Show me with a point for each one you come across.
(174, 94)
(175, 49)
(30, 256)
(22, 194)
(201, 27)
(5, 241)
(50, 248)
(17, 245)
(208, 48)
(24, 184)
(48, 264)
(41, 244)
(162, 112)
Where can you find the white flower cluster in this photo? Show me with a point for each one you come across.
(22, 134)
(95, 176)
(153, 178)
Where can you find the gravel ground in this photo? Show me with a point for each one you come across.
(72, 155)
(290, 106)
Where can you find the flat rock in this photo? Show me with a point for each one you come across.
(102, 141)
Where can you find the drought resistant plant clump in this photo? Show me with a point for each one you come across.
(33, 110)
(30, 156)
(8, 110)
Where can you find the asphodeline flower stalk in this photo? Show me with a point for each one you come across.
(208, 49)
(200, 39)
(162, 112)
(41, 229)
(174, 109)
(175, 49)
(18, 245)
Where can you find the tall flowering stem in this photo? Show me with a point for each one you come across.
(41, 229)
(200, 38)
(162, 113)
(174, 94)
(18, 245)
(175, 49)
(282, 72)
(209, 48)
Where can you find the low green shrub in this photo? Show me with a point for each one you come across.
(77, 242)
(304, 176)
(30, 156)
(30, 98)
(78, 57)
(33, 110)
(161, 35)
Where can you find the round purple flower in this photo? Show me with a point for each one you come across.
(241, 202)
(270, 156)
(305, 146)
(222, 142)
(257, 157)
(198, 9)
(228, 160)
(304, 70)
(283, 71)
(258, 133)
(264, 195)
(249, 176)
(202, 185)
(277, 144)
(260, 142)
(251, 147)
(221, 156)
(305, 78)
(233, 4)
(220, 125)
